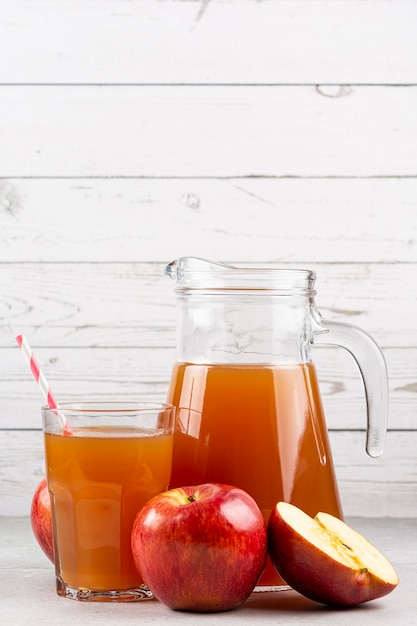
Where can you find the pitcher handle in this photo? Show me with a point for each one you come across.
(373, 369)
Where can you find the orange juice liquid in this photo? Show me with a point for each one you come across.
(98, 480)
(258, 427)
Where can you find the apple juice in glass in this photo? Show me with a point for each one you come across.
(249, 411)
(118, 456)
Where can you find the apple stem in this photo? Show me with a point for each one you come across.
(191, 498)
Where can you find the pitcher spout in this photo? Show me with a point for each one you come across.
(187, 268)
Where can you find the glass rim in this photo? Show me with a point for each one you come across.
(194, 274)
(81, 406)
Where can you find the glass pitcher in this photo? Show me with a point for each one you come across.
(249, 411)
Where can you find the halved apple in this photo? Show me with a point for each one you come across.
(326, 560)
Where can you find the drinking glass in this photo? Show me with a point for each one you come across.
(117, 456)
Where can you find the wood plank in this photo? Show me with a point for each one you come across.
(229, 41)
(92, 372)
(122, 372)
(133, 304)
(250, 219)
(207, 131)
(129, 302)
(384, 487)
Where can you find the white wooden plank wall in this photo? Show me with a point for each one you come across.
(277, 132)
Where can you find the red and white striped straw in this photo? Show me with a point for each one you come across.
(41, 380)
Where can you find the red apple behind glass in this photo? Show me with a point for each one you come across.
(200, 548)
(326, 560)
(41, 519)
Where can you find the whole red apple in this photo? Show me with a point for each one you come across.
(41, 519)
(200, 548)
(326, 560)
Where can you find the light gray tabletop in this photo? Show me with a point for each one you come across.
(27, 589)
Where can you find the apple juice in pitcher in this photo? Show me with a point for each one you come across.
(248, 406)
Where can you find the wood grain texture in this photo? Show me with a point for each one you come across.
(124, 304)
(230, 131)
(289, 220)
(220, 41)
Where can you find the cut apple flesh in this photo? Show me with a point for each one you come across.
(326, 560)
(345, 544)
